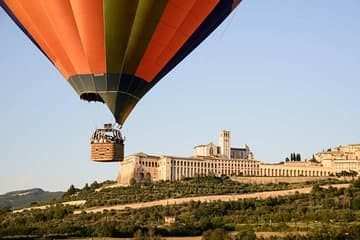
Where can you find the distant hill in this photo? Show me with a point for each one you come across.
(23, 198)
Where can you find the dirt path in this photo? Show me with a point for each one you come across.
(230, 197)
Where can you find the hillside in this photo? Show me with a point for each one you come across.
(24, 198)
(246, 209)
(192, 187)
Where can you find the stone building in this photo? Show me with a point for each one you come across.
(342, 158)
(224, 150)
(208, 159)
(223, 159)
(140, 166)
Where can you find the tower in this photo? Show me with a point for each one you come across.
(224, 143)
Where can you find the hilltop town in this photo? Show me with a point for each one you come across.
(212, 193)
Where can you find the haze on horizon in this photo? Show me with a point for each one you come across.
(282, 76)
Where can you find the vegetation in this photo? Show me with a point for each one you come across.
(313, 159)
(350, 173)
(145, 191)
(25, 198)
(294, 157)
(324, 212)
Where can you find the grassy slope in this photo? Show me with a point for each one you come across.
(305, 211)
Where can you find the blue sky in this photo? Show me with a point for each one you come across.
(282, 76)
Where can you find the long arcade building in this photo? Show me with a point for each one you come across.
(211, 159)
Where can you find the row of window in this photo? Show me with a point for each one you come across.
(289, 172)
(192, 172)
(149, 164)
(203, 164)
(214, 165)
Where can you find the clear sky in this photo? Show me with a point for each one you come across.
(282, 76)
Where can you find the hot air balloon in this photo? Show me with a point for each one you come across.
(115, 51)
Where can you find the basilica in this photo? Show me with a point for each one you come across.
(222, 159)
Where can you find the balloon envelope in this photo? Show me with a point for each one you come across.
(114, 51)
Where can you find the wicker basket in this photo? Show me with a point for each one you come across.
(107, 152)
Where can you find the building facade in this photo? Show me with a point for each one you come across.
(224, 150)
(222, 159)
(140, 166)
(341, 158)
(295, 169)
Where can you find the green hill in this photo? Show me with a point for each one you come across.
(24, 198)
(324, 213)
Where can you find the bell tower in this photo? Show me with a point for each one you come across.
(225, 143)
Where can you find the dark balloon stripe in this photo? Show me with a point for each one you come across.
(85, 83)
(120, 92)
(119, 19)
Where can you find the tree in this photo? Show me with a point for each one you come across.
(356, 183)
(246, 234)
(217, 234)
(138, 235)
(132, 181)
(313, 159)
(316, 189)
(86, 187)
(94, 185)
(287, 159)
(72, 190)
(147, 180)
(353, 173)
(4, 210)
(106, 229)
(295, 157)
